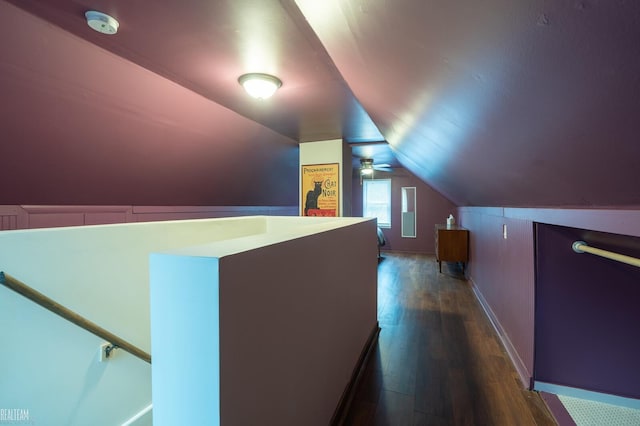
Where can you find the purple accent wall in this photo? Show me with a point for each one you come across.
(431, 208)
(587, 312)
(502, 271)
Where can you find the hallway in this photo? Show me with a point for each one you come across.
(438, 360)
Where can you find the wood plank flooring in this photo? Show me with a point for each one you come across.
(438, 360)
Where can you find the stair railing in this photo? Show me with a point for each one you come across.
(66, 313)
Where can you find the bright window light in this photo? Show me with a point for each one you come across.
(376, 200)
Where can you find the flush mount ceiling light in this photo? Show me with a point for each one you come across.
(101, 22)
(258, 85)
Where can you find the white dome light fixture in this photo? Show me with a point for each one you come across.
(258, 85)
(101, 22)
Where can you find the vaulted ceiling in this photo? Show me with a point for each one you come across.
(495, 103)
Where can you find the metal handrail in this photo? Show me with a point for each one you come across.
(66, 313)
(582, 247)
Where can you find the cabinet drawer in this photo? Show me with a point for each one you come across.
(452, 244)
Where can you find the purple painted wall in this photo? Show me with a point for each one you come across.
(30, 217)
(431, 208)
(296, 368)
(587, 312)
(502, 270)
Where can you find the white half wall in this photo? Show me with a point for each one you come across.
(50, 366)
(291, 308)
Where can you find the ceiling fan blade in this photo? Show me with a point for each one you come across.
(382, 167)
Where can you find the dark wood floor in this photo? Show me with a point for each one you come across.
(438, 360)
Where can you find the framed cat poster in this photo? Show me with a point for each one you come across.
(320, 189)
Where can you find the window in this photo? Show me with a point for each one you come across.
(376, 201)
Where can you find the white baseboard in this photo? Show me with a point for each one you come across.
(524, 374)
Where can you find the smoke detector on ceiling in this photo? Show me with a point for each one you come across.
(102, 22)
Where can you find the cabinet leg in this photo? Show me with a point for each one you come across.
(440, 265)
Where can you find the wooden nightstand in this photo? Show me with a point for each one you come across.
(452, 245)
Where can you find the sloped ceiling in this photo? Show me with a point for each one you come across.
(491, 103)
(498, 102)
